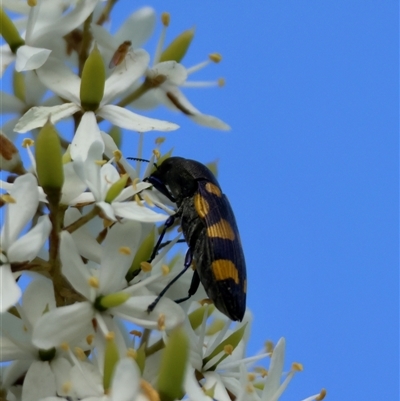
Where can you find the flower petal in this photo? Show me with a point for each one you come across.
(125, 382)
(9, 289)
(88, 132)
(27, 247)
(86, 244)
(125, 75)
(273, 380)
(65, 324)
(30, 58)
(38, 298)
(26, 196)
(137, 27)
(57, 77)
(127, 235)
(73, 186)
(39, 382)
(132, 211)
(135, 310)
(72, 266)
(174, 72)
(37, 117)
(127, 119)
(68, 22)
(10, 103)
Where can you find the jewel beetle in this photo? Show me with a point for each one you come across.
(210, 231)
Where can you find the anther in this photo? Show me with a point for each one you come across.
(93, 282)
(124, 250)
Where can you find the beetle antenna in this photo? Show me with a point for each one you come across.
(138, 159)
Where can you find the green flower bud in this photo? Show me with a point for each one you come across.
(113, 300)
(173, 366)
(178, 47)
(93, 81)
(10, 32)
(116, 134)
(197, 316)
(233, 340)
(116, 188)
(19, 85)
(142, 254)
(49, 164)
(111, 358)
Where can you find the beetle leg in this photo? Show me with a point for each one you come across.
(194, 285)
(188, 262)
(169, 222)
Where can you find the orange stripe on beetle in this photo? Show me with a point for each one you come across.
(222, 229)
(213, 189)
(225, 269)
(201, 205)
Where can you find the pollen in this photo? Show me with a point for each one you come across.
(215, 57)
(165, 270)
(131, 353)
(321, 395)
(110, 336)
(136, 333)
(222, 229)
(261, 371)
(228, 349)
(27, 142)
(124, 250)
(117, 155)
(8, 198)
(146, 266)
(213, 189)
(297, 367)
(224, 269)
(160, 140)
(90, 338)
(165, 18)
(64, 346)
(100, 162)
(251, 377)
(93, 282)
(161, 322)
(149, 390)
(221, 82)
(269, 346)
(80, 353)
(156, 153)
(66, 387)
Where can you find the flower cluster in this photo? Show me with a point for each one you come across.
(79, 225)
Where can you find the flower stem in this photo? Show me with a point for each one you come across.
(82, 221)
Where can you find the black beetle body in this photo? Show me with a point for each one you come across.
(210, 230)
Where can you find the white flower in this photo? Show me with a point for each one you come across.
(62, 81)
(49, 367)
(21, 207)
(99, 179)
(45, 28)
(166, 78)
(65, 324)
(137, 28)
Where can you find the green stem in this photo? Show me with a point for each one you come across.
(135, 94)
(82, 220)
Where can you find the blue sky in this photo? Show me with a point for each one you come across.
(311, 169)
